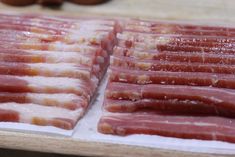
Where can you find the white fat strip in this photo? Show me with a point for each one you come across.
(58, 98)
(82, 49)
(40, 82)
(146, 38)
(64, 57)
(57, 69)
(87, 37)
(91, 27)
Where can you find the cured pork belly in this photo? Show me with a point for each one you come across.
(40, 115)
(50, 67)
(165, 46)
(159, 65)
(173, 99)
(166, 75)
(176, 28)
(40, 84)
(45, 69)
(63, 100)
(90, 31)
(195, 57)
(172, 78)
(187, 127)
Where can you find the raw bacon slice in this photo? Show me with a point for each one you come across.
(40, 115)
(95, 38)
(57, 23)
(51, 64)
(39, 84)
(178, 28)
(162, 46)
(175, 56)
(81, 49)
(194, 39)
(79, 32)
(204, 128)
(162, 106)
(156, 65)
(45, 69)
(171, 78)
(170, 99)
(178, 25)
(68, 101)
(29, 56)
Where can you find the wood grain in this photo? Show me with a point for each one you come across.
(223, 10)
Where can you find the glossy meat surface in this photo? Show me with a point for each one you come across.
(171, 79)
(50, 67)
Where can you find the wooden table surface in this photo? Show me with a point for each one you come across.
(157, 9)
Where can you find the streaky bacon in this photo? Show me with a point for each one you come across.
(172, 78)
(162, 46)
(187, 127)
(45, 69)
(50, 67)
(163, 106)
(40, 84)
(68, 101)
(40, 115)
(156, 65)
(175, 56)
(171, 99)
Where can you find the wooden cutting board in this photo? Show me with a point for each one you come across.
(223, 10)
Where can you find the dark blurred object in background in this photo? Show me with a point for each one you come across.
(88, 2)
(50, 2)
(19, 2)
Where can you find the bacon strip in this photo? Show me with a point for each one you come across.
(27, 56)
(204, 128)
(32, 114)
(79, 32)
(45, 69)
(171, 99)
(163, 106)
(165, 46)
(178, 25)
(155, 65)
(39, 84)
(149, 40)
(175, 56)
(172, 78)
(68, 101)
(174, 28)
(195, 39)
